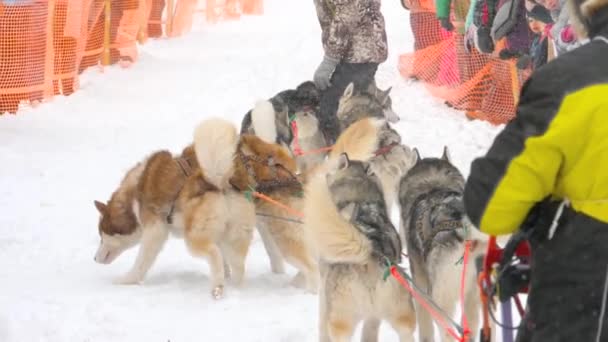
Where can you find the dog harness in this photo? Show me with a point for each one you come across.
(186, 166)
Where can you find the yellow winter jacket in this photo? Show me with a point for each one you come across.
(557, 146)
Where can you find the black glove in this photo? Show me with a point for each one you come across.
(446, 24)
(524, 61)
(505, 54)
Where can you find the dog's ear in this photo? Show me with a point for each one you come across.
(343, 161)
(384, 95)
(349, 91)
(101, 207)
(446, 154)
(372, 89)
(417, 157)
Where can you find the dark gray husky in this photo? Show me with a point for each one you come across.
(434, 229)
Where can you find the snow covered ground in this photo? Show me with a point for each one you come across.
(57, 158)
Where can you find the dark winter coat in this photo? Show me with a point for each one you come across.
(539, 51)
(353, 30)
(557, 146)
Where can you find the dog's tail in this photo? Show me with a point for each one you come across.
(215, 142)
(332, 236)
(263, 120)
(360, 140)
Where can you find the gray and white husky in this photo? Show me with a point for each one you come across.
(347, 222)
(355, 105)
(272, 120)
(434, 228)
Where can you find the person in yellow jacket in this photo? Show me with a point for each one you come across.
(556, 149)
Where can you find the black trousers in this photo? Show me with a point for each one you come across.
(361, 74)
(568, 275)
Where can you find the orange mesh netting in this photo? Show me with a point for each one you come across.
(24, 44)
(232, 9)
(46, 44)
(484, 86)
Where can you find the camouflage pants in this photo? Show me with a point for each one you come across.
(361, 75)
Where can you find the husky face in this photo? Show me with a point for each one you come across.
(307, 122)
(117, 230)
(383, 96)
(433, 172)
(353, 181)
(356, 104)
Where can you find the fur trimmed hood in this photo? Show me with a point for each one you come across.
(589, 17)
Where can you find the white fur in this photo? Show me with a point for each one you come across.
(263, 121)
(334, 238)
(215, 142)
(152, 241)
(135, 207)
(111, 246)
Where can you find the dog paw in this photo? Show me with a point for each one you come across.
(227, 272)
(277, 268)
(298, 281)
(128, 279)
(218, 292)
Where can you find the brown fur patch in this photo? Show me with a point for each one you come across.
(156, 189)
(340, 328)
(251, 163)
(408, 321)
(359, 140)
(197, 186)
(160, 182)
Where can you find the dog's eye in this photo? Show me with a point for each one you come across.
(369, 171)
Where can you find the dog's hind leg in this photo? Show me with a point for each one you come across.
(371, 328)
(236, 252)
(445, 294)
(404, 324)
(298, 255)
(323, 320)
(207, 249)
(341, 326)
(425, 322)
(153, 239)
(276, 259)
(472, 308)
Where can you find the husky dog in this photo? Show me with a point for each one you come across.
(277, 120)
(305, 141)
(372, 102)
(142, 210)
(281, 232)
(433, 225)
(347, 221)
(274, 120)
(373, 140)
(361, 140)
(204, 205)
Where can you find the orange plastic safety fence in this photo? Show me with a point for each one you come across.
(46, 44)
(232, 9)
(483, 86)
(24, 42)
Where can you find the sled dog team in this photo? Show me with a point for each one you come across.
(337, 233)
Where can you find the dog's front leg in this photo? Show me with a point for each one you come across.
(371, 328)
(153, 239)
(276, 259)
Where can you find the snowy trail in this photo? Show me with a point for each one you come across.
(57, 158)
